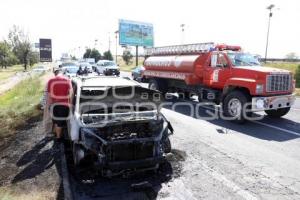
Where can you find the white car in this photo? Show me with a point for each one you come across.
(87, 65)
(70, 71)
(107, 68)
(40, 69)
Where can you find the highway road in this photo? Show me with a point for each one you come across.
(218, 159)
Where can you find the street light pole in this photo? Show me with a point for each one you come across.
(109, 41)
(116, 32)
(182, 32)
(270, 7)
(95, 44)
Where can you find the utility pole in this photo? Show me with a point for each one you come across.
(95, 45)
(182, 33)
(116, 32)
(79, 52)
(136, 55)
(270, 7)
(109, 42)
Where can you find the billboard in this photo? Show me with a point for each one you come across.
(135, 33)
(45, 50)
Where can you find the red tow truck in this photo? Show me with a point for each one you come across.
(222, 74)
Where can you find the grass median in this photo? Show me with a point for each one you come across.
(10, 71)
(19, 104)
(290, 66)
(131, 66)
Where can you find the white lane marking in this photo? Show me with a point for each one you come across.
(218, 176)
(258, 122)
(276, 127)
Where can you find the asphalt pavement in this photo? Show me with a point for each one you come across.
(224, 160)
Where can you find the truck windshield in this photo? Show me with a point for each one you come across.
(243, 59)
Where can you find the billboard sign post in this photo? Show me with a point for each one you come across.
(45, 50)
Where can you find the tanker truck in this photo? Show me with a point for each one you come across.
(221, 74)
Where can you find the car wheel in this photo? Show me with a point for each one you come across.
(166, 145)
(78, 153)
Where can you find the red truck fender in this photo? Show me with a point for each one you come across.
(240, 83)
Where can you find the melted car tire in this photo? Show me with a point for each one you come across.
(153, 84)
(159, 85)
(277, 113)
(167, 145)
(75, 148)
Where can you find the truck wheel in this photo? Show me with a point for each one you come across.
(233, 106)
(277, 113)
(153, 85)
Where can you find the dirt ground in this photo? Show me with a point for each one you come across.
(30, 165)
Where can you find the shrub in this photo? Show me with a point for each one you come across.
(297, 77)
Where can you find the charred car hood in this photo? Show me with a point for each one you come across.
(122, 104)
(130, 93)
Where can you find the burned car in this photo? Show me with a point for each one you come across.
(116, 125)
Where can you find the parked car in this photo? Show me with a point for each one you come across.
(137, 73)
(115, 134)
(67, 64)
(40, 69)
(107, 68)
(70, 71)
(86, 65)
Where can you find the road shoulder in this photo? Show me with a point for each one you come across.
(30, 166)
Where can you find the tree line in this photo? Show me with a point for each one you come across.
(94, 53)
(17, 49)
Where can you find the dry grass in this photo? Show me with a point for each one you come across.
(12, 70)
(12, 193)
(291, 66)
(128, 68)
(298, 91)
